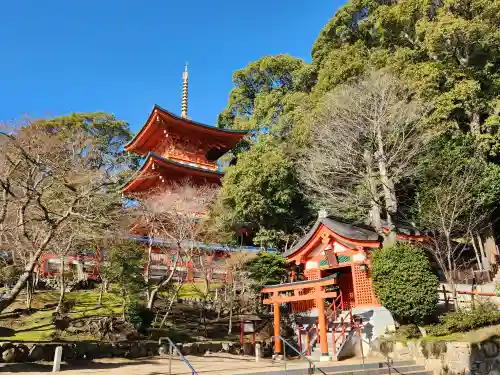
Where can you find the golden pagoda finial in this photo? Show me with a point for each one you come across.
(184, 107)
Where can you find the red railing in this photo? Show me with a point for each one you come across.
(332, 313)
(339, 301)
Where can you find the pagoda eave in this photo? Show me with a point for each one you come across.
(160, 119)
(156, 170)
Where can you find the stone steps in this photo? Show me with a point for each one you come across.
(371, 368)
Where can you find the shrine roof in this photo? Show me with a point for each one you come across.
(147, 138)
(348, 231)
(180, 168)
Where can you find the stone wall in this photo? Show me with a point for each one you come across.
(11, 352)
(448, 357)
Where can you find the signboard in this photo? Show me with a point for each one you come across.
(248, 327)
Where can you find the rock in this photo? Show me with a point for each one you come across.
(103, 350)
(143, 351)
(189, 349)
(134, 351)
(5, 346)
(199, 348)
(36, 353)
(215, 347)
(117, 350)
(61, 322)
(164, 349)
(9, 355)
(48, 351)
(235, 349)
(151, 348)
(22, 353)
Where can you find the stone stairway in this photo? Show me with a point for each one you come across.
(370, 367)
(342, 338)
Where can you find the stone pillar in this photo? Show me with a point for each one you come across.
(57, 359)
(320, 303)
(277, 329)
(258, 352)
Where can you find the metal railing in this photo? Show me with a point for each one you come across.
(171, 350)
(312, 366)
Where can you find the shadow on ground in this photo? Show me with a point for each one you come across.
(83, 365)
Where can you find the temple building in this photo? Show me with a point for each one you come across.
(331, 281)
(175, 148)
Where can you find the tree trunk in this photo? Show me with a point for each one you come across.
(101, 292)
(62, 287)
(475, 124)
(388, 189)
(148, 267)
(29, 292)
(11, 296)
(372, 183)
(454, 294)
(153, 293)
(171, 302)
(478, 259)
(124, 302)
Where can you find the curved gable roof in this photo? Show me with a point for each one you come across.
(139, 143)
(345, 230)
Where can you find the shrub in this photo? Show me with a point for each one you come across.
(463, 320)
(409, 331)
(404, 282)
(267, 268)
(67, 305)
(138, 315)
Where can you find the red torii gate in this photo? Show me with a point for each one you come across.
(316, 292)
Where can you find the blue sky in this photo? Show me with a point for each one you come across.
(123, 56)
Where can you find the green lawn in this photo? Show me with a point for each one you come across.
(39, 327)
(196, 290)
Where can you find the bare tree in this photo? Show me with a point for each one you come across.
(173, 220)
(365, 139)
(46, 180)
(453, 208)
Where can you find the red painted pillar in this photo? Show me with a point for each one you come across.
(320, 302)
(299, 336)
(242, 332)
(277, 329)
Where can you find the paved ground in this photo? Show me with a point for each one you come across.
(216, 364)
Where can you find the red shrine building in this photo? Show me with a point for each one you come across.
(330, 280)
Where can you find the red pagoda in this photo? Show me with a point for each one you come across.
(174, 149)
(177, 148)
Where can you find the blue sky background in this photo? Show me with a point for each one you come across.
(123, 56)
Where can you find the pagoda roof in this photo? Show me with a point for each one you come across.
(147, 138)
(147, 175)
